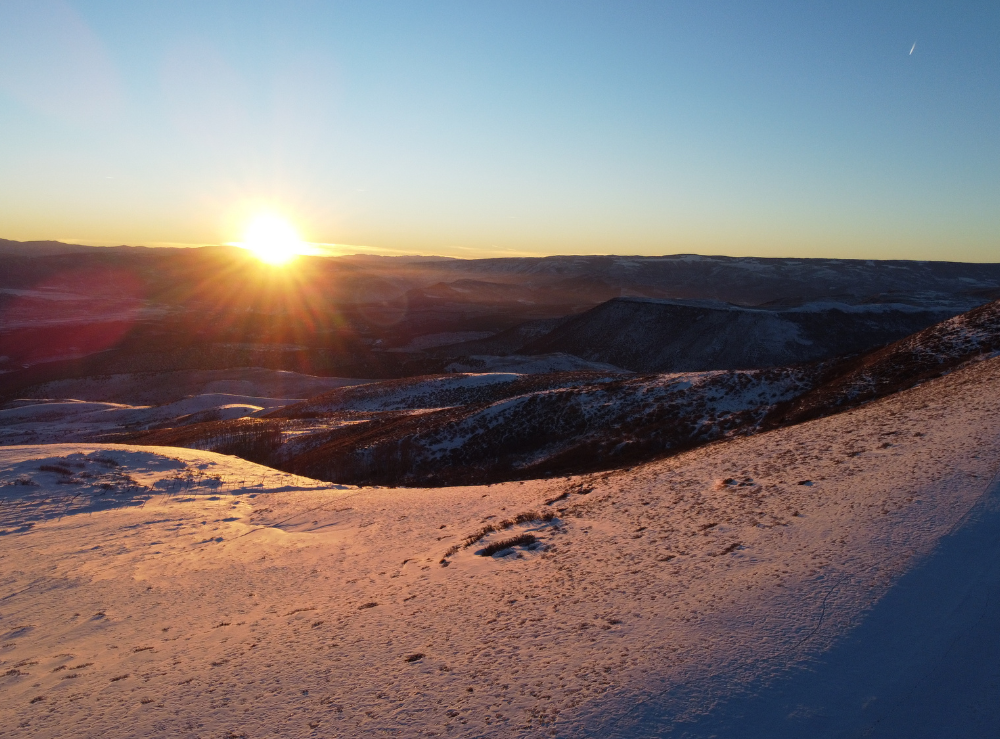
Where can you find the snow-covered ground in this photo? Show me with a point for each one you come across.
(826, 579)
(51, 420)
(96, 408)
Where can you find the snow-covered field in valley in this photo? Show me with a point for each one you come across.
(833, 578)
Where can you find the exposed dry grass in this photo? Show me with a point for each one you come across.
(521, 540)
(526, 517)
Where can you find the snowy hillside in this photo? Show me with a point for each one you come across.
(590, 423)
(450, 429)
(49, 421)
(744, 589)
(459, 428)
(926, 354)
(688, 336)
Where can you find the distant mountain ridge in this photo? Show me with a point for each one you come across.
(750, 280)
(40, 248)
(746, 281)
(217, 307)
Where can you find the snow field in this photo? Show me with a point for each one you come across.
(287, 607)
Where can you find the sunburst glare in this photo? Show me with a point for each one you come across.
(272, 239)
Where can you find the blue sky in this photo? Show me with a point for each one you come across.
(494, 128)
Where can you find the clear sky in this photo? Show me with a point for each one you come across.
(492, 128)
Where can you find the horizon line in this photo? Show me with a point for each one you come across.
(357, 250)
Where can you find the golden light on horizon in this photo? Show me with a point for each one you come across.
(272, 239)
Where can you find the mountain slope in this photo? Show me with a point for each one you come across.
(453, 429)
(924, 355)
(646, 335)
(458, 428)
(569, 428)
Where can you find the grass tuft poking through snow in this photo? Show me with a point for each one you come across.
(527, 517)
(521, 540)
(520, 518)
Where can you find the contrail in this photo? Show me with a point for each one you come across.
(913, 47)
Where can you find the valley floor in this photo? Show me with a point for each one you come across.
(836, 578)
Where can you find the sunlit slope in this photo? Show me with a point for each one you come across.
(226, 604)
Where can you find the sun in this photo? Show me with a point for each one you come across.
(272, 239)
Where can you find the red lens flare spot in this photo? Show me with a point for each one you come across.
(67, 316)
